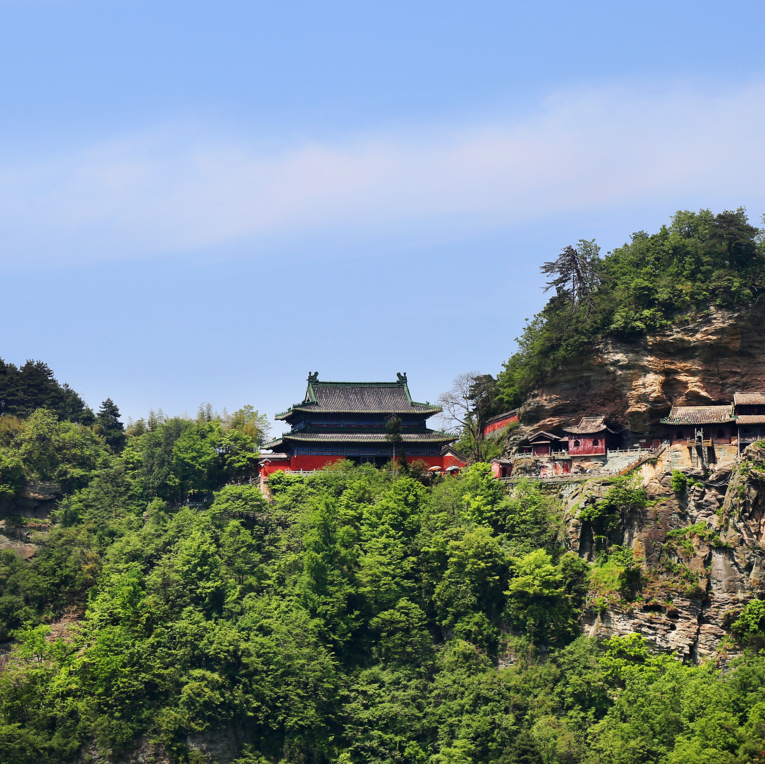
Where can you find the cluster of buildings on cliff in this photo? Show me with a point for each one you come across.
(699, 436)
(351, 420)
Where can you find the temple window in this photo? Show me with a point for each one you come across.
(576, 444)
(596, 442)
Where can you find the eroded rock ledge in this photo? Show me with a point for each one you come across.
(635, 383)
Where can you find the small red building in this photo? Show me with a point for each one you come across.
(348, 420)
(591, 437)
(501, 468)
(544, 444)
(453, 459)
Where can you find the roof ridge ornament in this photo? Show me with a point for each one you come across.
(313, 377)
(401, 378)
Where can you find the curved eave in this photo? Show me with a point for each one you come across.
(429, 410)
(296, 408)
(680, 423)
(439, 439)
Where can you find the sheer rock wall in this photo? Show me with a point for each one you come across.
(635, 383)
(696, 583)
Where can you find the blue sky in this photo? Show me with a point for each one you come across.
(201, 201)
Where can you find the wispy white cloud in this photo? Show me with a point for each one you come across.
(596, 149)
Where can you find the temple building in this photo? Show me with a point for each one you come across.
(708, 432)
(544, 444)
(347, 420)
(591, 437)
(701, 424)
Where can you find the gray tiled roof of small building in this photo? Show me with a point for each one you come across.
(546, 434)
(699, 415)
(749, 399)
(588, 425)
(750, 419)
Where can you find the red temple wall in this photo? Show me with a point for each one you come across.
(494, 426)
(556, 469)
(586, 445)
(308, 463)
(449, 461)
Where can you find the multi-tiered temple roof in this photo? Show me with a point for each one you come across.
(349, 420)
(357, 398)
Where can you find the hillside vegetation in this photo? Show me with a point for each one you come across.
(697, 261)
(360, 616)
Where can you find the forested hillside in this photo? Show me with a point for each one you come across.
(359, 616)
(33, 386)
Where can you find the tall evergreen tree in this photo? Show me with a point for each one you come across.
(33, 386)
(731, 232)
(109, 425)
(575, 274)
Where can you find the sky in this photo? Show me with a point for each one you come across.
(203, 201)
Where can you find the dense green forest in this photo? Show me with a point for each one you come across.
(358, 616)
(33, 386)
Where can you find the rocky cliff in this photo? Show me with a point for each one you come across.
(703, 361)
(700, 552)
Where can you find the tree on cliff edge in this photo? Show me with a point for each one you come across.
(575, 274)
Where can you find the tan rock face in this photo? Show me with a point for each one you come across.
(635, 384)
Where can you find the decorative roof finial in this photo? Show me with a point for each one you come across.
(313, 377)
(401, 378)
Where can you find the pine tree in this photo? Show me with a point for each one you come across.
(109, 425)
(575, 274)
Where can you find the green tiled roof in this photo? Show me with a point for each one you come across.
(359, 398)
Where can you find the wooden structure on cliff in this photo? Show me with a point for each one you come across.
(591, 437)
(700, 429)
